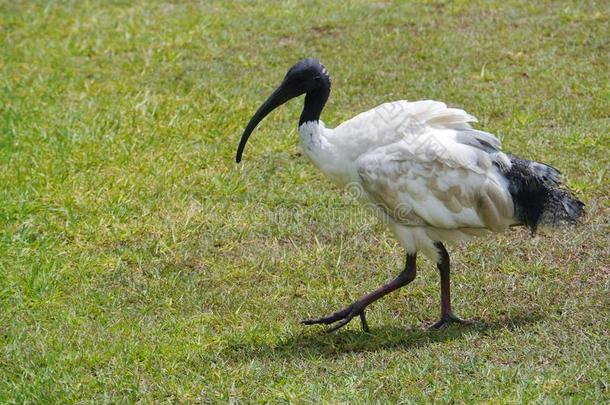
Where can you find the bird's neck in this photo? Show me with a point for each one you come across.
(316, 139)
(314, 103)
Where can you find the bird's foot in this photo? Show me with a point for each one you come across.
(341, 318)
(447, 320)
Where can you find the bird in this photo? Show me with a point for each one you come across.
(429, 175)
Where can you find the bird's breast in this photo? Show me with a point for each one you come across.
(326, 155)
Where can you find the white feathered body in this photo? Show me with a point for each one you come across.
(430, 176)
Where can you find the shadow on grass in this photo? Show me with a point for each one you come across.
(317, 343)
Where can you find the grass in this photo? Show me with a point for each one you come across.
(139, 263)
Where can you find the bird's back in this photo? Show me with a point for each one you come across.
(426, 167)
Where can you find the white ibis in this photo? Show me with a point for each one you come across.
(431, 177)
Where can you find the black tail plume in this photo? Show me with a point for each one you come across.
(539, 196)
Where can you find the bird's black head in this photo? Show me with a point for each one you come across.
(307, 76)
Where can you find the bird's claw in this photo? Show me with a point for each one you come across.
(447, 320)
(341, 318)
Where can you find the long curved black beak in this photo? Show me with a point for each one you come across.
(282, 94)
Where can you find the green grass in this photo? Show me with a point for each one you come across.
(138, 262)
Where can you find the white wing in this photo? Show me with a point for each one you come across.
(438, 172)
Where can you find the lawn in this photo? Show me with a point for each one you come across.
(139, 263)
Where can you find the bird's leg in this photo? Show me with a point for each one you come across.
(447, 316)
(357, 307)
